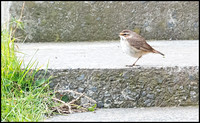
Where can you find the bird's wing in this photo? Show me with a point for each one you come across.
(140, 44)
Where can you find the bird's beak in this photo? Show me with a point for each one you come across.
(121, 34)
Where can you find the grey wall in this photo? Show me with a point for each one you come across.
(88, 21)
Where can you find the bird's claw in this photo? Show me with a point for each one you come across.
(132, 65)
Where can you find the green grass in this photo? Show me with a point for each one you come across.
(23, 98)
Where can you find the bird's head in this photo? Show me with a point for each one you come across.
(126, 34)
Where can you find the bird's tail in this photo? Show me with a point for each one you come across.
(155, 51)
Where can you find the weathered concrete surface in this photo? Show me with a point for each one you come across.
(134, 87)
(98, 69)
(164, 114)
(64, 21)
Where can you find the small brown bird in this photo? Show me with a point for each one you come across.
(135, 45)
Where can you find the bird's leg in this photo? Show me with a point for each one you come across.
(133, 63)
(136, 61)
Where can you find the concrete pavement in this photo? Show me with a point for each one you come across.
(106, 54)
(134, 114)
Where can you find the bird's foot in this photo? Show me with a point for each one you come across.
(132, 65)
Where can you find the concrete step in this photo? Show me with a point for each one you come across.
(156, 114)
(98, 70)
(109, 55)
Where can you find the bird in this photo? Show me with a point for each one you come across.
(135, 45)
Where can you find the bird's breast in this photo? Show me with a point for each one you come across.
(128, 49)
(124, 45)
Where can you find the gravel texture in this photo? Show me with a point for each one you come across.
(128, 88)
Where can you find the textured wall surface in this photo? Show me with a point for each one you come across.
(133, 87)
(103, 20)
